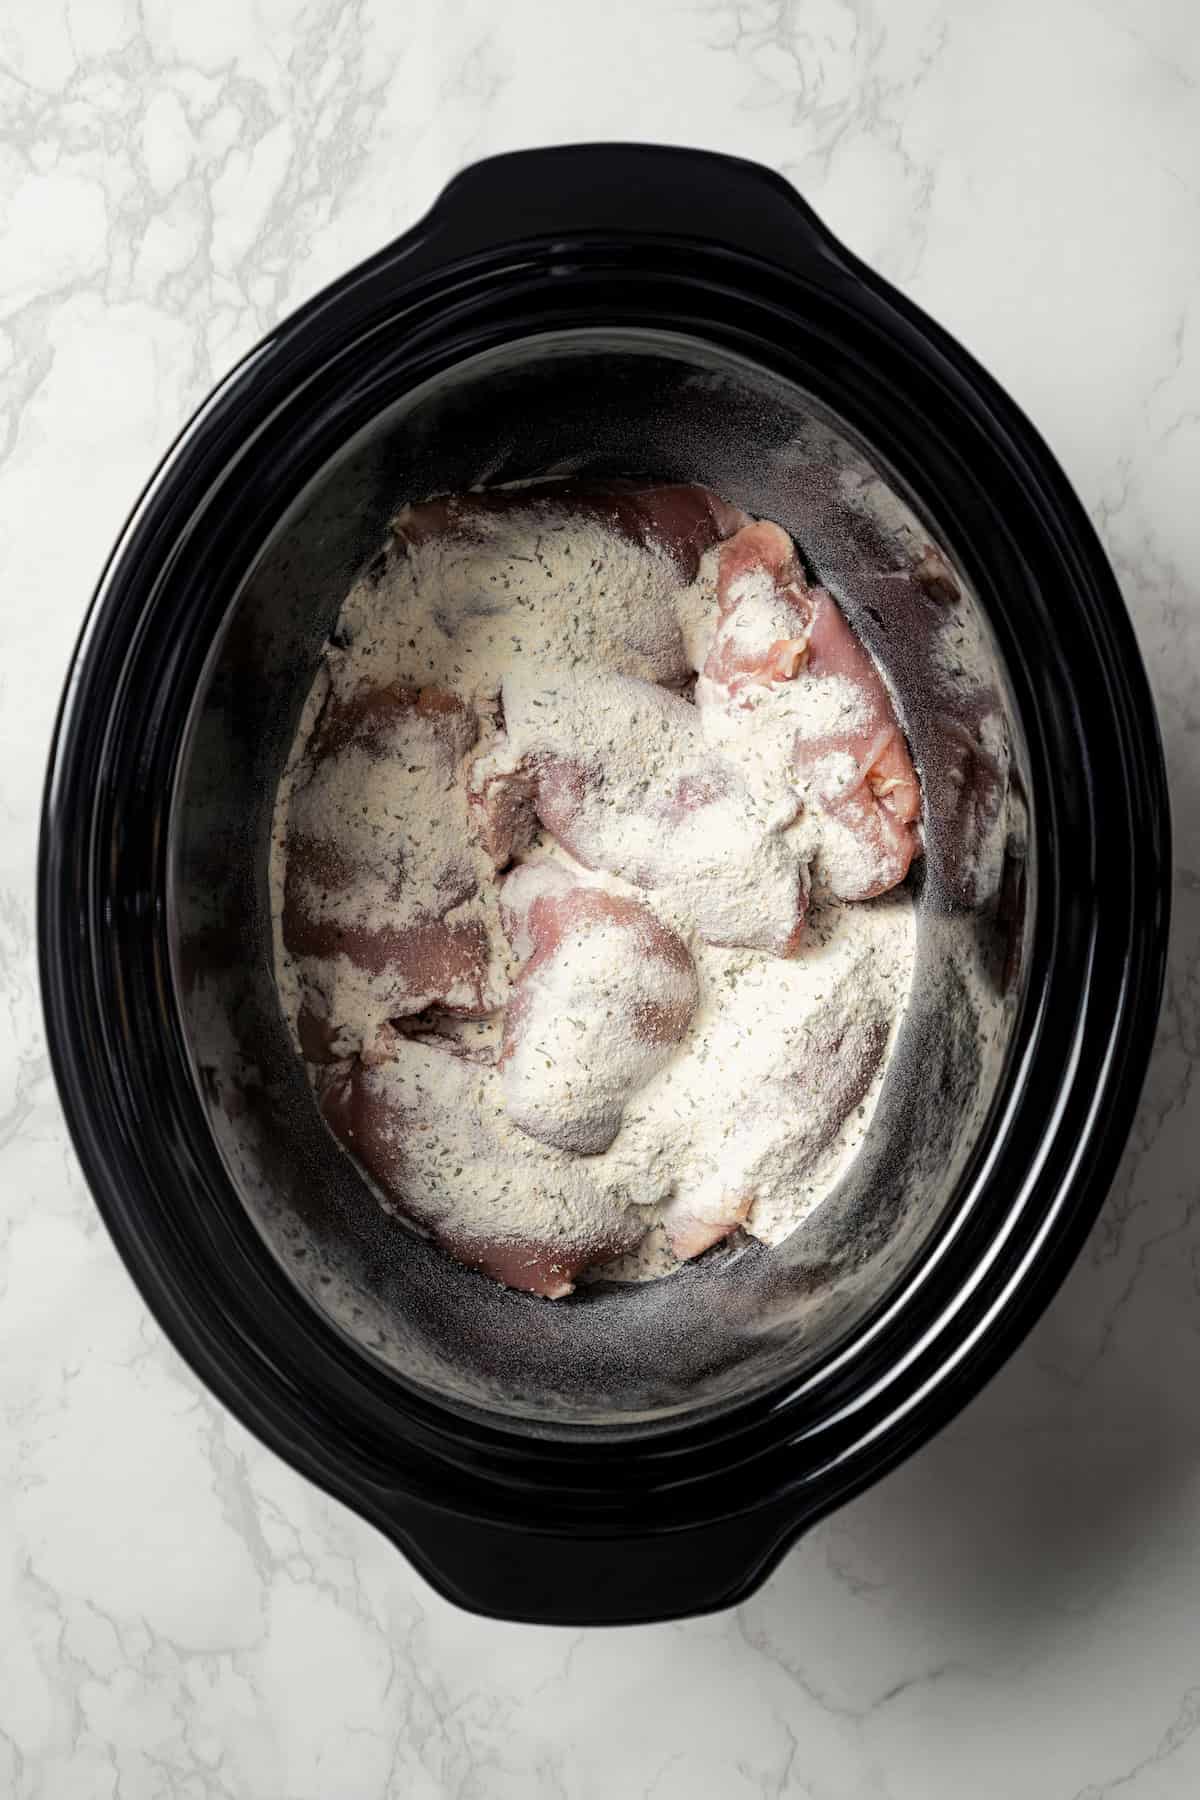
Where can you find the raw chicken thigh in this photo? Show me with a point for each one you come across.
(850, 759)
(789, 1100)
(587, 573)
(605, 996)
(430, 1127)
(682, 518)
(382, 914)
(764, 613)
(618, 771)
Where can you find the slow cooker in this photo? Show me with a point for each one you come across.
(634, 1453)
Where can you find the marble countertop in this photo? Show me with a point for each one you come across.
(1017, 1610)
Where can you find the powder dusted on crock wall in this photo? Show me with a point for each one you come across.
(541, 915)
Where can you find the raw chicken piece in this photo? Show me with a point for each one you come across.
(694, 1224)
(964, 757)
(682, 518)
(605, 996)
(880, 802)
(618, 771)
(849, 753)
(380, 913)
(578, 574)
(429, 1126)
(765, 612)
(791, 1094)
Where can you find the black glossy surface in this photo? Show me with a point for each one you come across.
(684, 1517)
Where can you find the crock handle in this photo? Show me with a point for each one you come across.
(630, 190)
(582, 1578)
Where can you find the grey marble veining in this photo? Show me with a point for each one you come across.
(1015, 1612)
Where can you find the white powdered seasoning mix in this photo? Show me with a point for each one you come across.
(535, 620)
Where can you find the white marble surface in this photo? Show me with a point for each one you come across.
(1017, 1611)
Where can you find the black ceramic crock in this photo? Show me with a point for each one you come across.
(150, 888)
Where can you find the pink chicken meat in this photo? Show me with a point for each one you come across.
(617, 770)
(773, 628)
(382, 919)
(681, 518)
(782, 1123)
(605, 995)
(430, 1128)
